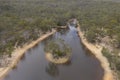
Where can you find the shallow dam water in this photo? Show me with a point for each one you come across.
(35, 66)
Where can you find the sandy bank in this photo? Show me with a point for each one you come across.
(96, 50)
(50, 58)
(18, 53)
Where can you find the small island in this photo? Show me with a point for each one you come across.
(57, 51)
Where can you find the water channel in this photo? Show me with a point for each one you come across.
(35, 66)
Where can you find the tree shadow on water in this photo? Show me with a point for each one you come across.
(52, 70)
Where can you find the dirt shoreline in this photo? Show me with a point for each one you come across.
(19, 52)
(96, 50)
(63, 60)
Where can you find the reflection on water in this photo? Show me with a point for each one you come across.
(35, 66)
(52, 69)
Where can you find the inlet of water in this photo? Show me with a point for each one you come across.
(34, 65)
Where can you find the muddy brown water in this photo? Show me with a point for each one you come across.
(34, 65)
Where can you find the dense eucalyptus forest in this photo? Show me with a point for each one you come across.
(22, 21)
